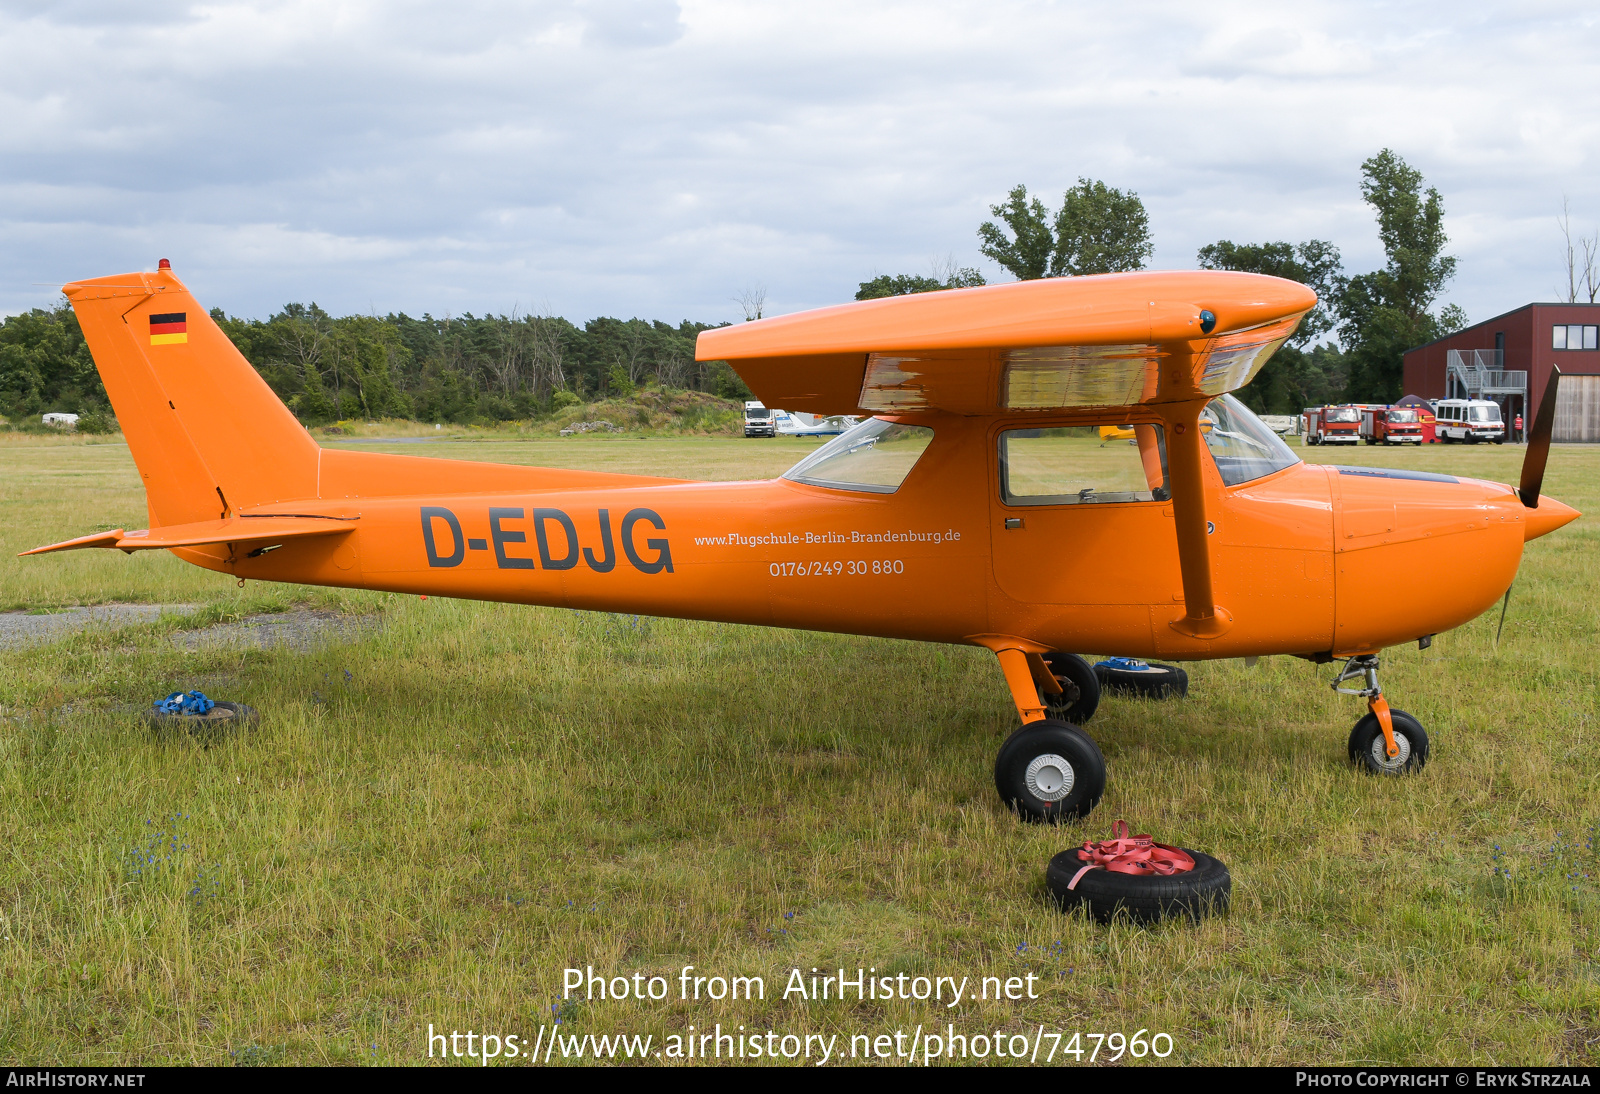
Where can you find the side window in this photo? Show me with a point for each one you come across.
(1076, 466)
(1243, 446)
(873, 456)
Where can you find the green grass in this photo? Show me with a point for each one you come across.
(498, 792)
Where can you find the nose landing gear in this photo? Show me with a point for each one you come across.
(1387, 740)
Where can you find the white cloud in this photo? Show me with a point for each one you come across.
(647, 157)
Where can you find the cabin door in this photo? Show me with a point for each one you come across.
(1083, 519)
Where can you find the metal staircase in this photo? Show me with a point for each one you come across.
(1480, 374)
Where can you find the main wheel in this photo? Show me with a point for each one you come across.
(1370, 750)
(1049, 770)
(1080, 689)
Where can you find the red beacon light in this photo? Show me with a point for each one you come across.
(164, 265)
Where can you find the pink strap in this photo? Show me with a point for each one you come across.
(1125, 854)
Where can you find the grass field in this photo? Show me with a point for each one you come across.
(431, 824)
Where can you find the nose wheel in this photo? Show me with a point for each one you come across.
(1386, 741)
(1369, 750)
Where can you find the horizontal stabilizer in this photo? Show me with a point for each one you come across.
(202, 533)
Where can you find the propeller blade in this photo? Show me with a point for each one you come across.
(1504, 604)
(1539, 444)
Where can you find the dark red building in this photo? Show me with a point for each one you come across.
(1508, 359)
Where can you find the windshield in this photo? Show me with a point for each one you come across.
(875, 455)
(1243, 446)
(1341, 414)
(756, 412)
(1402, 415)
(1485, 413)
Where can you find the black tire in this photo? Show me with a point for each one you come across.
(1069, 774)
(1080, 689)
(1367, 746)
(1142, 898)
(222, 715)
(1154, 681)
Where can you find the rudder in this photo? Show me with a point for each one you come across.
(208, 435)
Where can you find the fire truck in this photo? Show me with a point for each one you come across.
(1391, 425)
(1332, 425)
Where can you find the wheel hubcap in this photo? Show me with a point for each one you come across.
(1380, 752)
(1049, 777)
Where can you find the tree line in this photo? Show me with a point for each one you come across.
(1377, 315)
(499, 367)
(455, 369)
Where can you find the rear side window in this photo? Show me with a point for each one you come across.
(874, 456)
(1076, 466)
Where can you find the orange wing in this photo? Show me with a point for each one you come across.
(1113, 340)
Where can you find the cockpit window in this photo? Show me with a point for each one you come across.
(1342, 414)
(1402, 415)
(1243, 446)
(1077, 466)
(1486, 413)
(874, 455)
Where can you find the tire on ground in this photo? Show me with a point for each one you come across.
(222, 715)
(1050, 770)
(1142, 898)
(1368, 751)
(1155, 681)
(1080, 676)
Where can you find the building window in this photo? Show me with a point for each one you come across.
(1574, 336)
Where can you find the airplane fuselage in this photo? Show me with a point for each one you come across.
(1309, 560)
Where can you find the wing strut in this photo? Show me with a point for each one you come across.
(1202, 617)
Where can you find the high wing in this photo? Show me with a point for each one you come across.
(1171, 342)
(242, 531)
(1113, 340)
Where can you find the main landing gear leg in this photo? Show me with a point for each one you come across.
(1388, 741)
(1049, 769)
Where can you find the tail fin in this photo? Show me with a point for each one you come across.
(208, 435)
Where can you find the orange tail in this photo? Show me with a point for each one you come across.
(208, 435)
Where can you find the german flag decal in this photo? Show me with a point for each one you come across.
(169, 329)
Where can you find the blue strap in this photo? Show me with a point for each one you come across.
(184, 702)
(1125, 663)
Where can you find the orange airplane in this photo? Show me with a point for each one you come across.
(974, 505)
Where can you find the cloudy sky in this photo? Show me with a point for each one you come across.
(653, 158)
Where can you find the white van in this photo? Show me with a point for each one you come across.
(1468, 421)
(758, 421)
